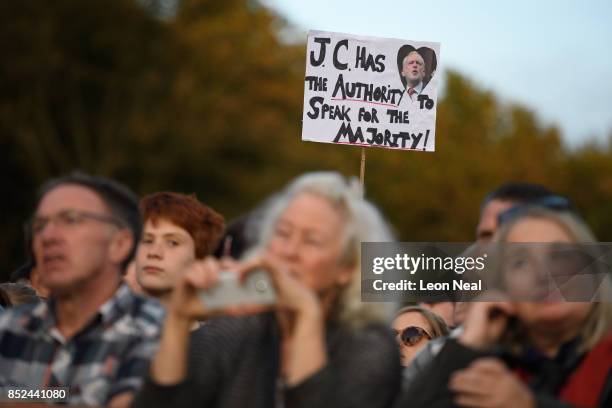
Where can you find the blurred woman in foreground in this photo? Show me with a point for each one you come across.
(318, 347)
(519, 353)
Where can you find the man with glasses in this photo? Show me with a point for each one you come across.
(93, 337)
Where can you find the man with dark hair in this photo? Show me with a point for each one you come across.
(93, 335)
(498, 201)
(503, 198)
(121, 202)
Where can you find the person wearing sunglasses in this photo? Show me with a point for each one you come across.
(414, 327)
(521, 350)
(503, 198)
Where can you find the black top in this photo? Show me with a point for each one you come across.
(234, 363)
(547, 375)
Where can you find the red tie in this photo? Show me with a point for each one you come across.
(411, 92)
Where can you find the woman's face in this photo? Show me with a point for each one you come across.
(525, 277)
(308, 240)
(408, 319)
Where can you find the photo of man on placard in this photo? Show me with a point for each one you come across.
(416, 68)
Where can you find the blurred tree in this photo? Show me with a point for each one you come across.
(203, 96)
(164, 9)
(82, 79)
(589, 183)
(82, 85)
(480, 144)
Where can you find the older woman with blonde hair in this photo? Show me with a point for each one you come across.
(318, 346)
(531, 347)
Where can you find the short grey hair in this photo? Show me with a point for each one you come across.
(363, 222)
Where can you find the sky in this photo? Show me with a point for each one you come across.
(553, 57)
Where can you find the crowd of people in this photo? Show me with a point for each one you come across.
(111, 306)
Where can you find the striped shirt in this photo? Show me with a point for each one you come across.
(107, 357)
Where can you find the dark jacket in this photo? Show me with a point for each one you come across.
(234, 363)
(549, 379)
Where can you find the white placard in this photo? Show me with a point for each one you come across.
(368, 91)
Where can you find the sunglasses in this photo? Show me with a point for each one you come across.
(553, 202)
(412, 335)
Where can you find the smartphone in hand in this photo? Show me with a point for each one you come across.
(256, 289)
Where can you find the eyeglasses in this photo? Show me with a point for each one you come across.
(412, 335)
(553, 202)
(69, 218)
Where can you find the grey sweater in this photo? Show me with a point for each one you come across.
(234, 363)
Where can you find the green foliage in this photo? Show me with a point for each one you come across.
(210, 101)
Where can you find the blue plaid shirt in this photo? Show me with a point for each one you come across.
(109, 356)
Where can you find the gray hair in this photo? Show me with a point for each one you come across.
(362, 223)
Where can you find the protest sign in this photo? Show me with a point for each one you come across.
(370, 91)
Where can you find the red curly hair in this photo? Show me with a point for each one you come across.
(203, 223)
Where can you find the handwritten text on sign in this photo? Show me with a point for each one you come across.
(370, 91)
